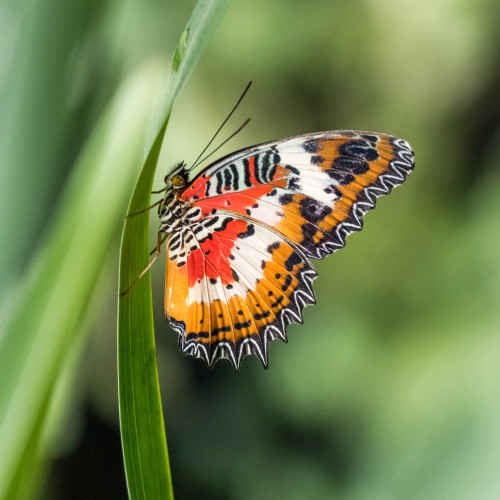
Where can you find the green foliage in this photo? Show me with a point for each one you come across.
(53, 297)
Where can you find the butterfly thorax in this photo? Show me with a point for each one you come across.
(177, 214)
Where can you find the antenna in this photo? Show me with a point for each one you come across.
(223, 123)
(222, 144)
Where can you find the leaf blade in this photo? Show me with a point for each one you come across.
(141, 418)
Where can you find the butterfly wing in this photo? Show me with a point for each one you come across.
(241, 273)
(232, 286)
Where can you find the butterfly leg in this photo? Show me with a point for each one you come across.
(158, 251)
(159, 190)
(162, 241)
(159, 243)
(145, 210)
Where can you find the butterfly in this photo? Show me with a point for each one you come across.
(240, 236)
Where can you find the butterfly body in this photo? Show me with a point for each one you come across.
(241, 234)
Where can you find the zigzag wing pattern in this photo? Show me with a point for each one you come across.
(239, 272)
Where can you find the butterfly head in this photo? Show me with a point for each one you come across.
(175, 181)
(177, 178)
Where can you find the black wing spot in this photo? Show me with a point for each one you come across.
(240, 326)
(287, 283)
(309, 231)
(278, 301)
(176, 246)
(222, 329)
(272, 172)
(212, 221)
(313, 210)
(286, 199)
(340, 176)
(317, 159)
(263, 315)
(224, 225)
(250, 231)
(196, 335)
(293, 260)
(271, 248)
(218, 187)
(246, 169)
(205, 238)
(213, 281)
(352, 165)
(359, 149)
(311, 146)
(333, 190)
(293, 184)
(227, 179)
(234, 172)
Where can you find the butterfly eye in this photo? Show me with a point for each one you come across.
(178, 181)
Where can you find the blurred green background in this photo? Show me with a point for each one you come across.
(390, 389)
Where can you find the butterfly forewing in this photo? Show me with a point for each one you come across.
(239, 273)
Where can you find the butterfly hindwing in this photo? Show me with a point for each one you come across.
(237, 285)
(240, 273)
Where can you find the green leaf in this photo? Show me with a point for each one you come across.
(50, 304)
(141, 419)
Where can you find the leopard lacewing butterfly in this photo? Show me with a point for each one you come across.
(240, 236)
